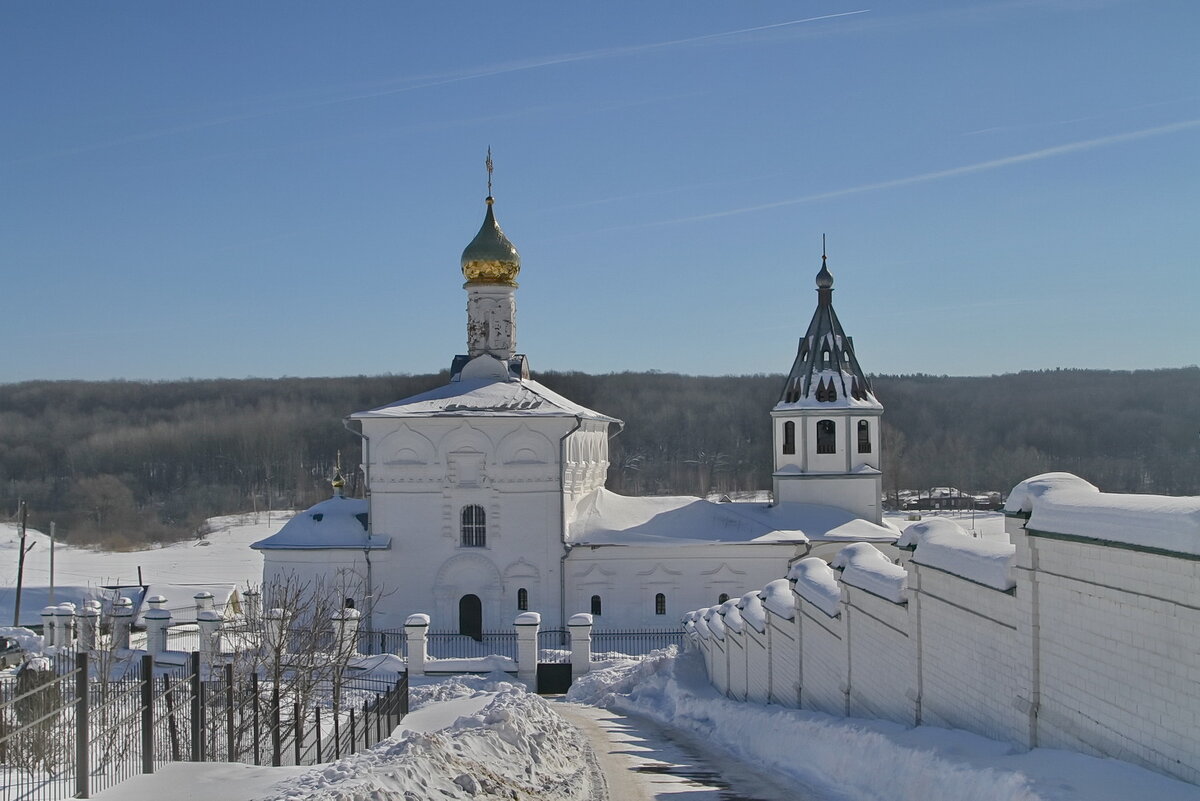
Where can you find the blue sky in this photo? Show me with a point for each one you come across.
(269, 188)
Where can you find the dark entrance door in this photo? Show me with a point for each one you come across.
(470, 617)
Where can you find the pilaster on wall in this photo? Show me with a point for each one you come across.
(1025, 573)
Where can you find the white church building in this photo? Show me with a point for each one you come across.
(485, 497)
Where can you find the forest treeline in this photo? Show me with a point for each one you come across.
(127, 463)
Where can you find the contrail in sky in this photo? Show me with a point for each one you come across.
(428, 81)
(968, 169)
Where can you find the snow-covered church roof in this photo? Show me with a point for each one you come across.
(338, 522)
(486, 397)
(826, 373)
(606, 518)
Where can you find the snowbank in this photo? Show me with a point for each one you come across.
(865, 567)
(817, 583)
(511, 746)
(947, 546)
(1061, 503)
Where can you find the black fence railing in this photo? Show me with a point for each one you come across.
(554, 646)
(71, 733)
(383, 641)
(447, 645)
(633, 643)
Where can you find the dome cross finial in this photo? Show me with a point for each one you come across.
(490, 166)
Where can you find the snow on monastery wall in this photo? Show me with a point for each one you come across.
(1082, 638)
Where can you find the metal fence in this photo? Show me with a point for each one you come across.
(554, 646)
(448, 645)
(633, 643)
(73, 732)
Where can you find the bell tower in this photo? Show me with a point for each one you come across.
(490, 263)
(826, 434)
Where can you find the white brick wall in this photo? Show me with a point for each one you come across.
(1097, 649)
(822, 660)
(882, 664)
(784, 656)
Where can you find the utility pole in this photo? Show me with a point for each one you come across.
(52, 563)
(20, 566)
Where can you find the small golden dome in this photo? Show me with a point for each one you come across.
(491, 258)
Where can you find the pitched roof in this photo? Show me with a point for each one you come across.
(486, 397)
(826, 372)
(337, 522)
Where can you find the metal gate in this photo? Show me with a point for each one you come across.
(554, 661)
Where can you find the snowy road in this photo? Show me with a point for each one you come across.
(643, 761)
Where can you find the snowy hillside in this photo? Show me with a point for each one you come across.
(222, 557)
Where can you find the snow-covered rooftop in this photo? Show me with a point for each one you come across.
(334, 523)
(865, 567)
(486, 397)
(606, 518)
(1062, 503)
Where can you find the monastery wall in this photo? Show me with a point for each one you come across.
(1060, 641)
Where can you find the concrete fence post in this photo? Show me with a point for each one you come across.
(527, 624)
(122, 619)
(209, 622)
(345, 626)
(251, 605)
(415, 629)
(157, 623)
(49, 640)
(87, 622)
(64, 625)
(274, 636)
(204, 601)
(580, 626)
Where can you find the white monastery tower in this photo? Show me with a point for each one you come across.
(826, 423)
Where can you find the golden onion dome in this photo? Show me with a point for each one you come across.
(491, 258)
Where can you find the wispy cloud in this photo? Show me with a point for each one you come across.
(953, 172)
(413, 84)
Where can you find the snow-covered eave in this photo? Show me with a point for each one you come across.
(377, 544)
(673, 542)
(813, 405)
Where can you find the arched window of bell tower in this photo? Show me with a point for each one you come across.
(864, 436)
(826, 436)
(789, 437)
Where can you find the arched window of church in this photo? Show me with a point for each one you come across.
(522, 600)
(825, 359)
(864, 436)
(474, 527)
(826, 436)
(789, 437)
(595, 604)
(660, 604)
(723, 597)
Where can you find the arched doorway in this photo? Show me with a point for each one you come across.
(470, 617)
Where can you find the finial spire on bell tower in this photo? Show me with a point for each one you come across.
(490, 166)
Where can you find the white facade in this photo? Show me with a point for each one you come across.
(485, 496)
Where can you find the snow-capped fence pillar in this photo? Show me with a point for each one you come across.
(64, 625)
(157, 623)
(122, 619)
(415, 629)
(204, 601)
(345, 626)
(580, 627)
(48, 631)
(527, 624)
(87, 622)
(157, 602)
(252, 605)
(274, 635)
(209, 622)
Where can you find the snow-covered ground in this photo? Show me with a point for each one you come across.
(487, 737)
(222, 557)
